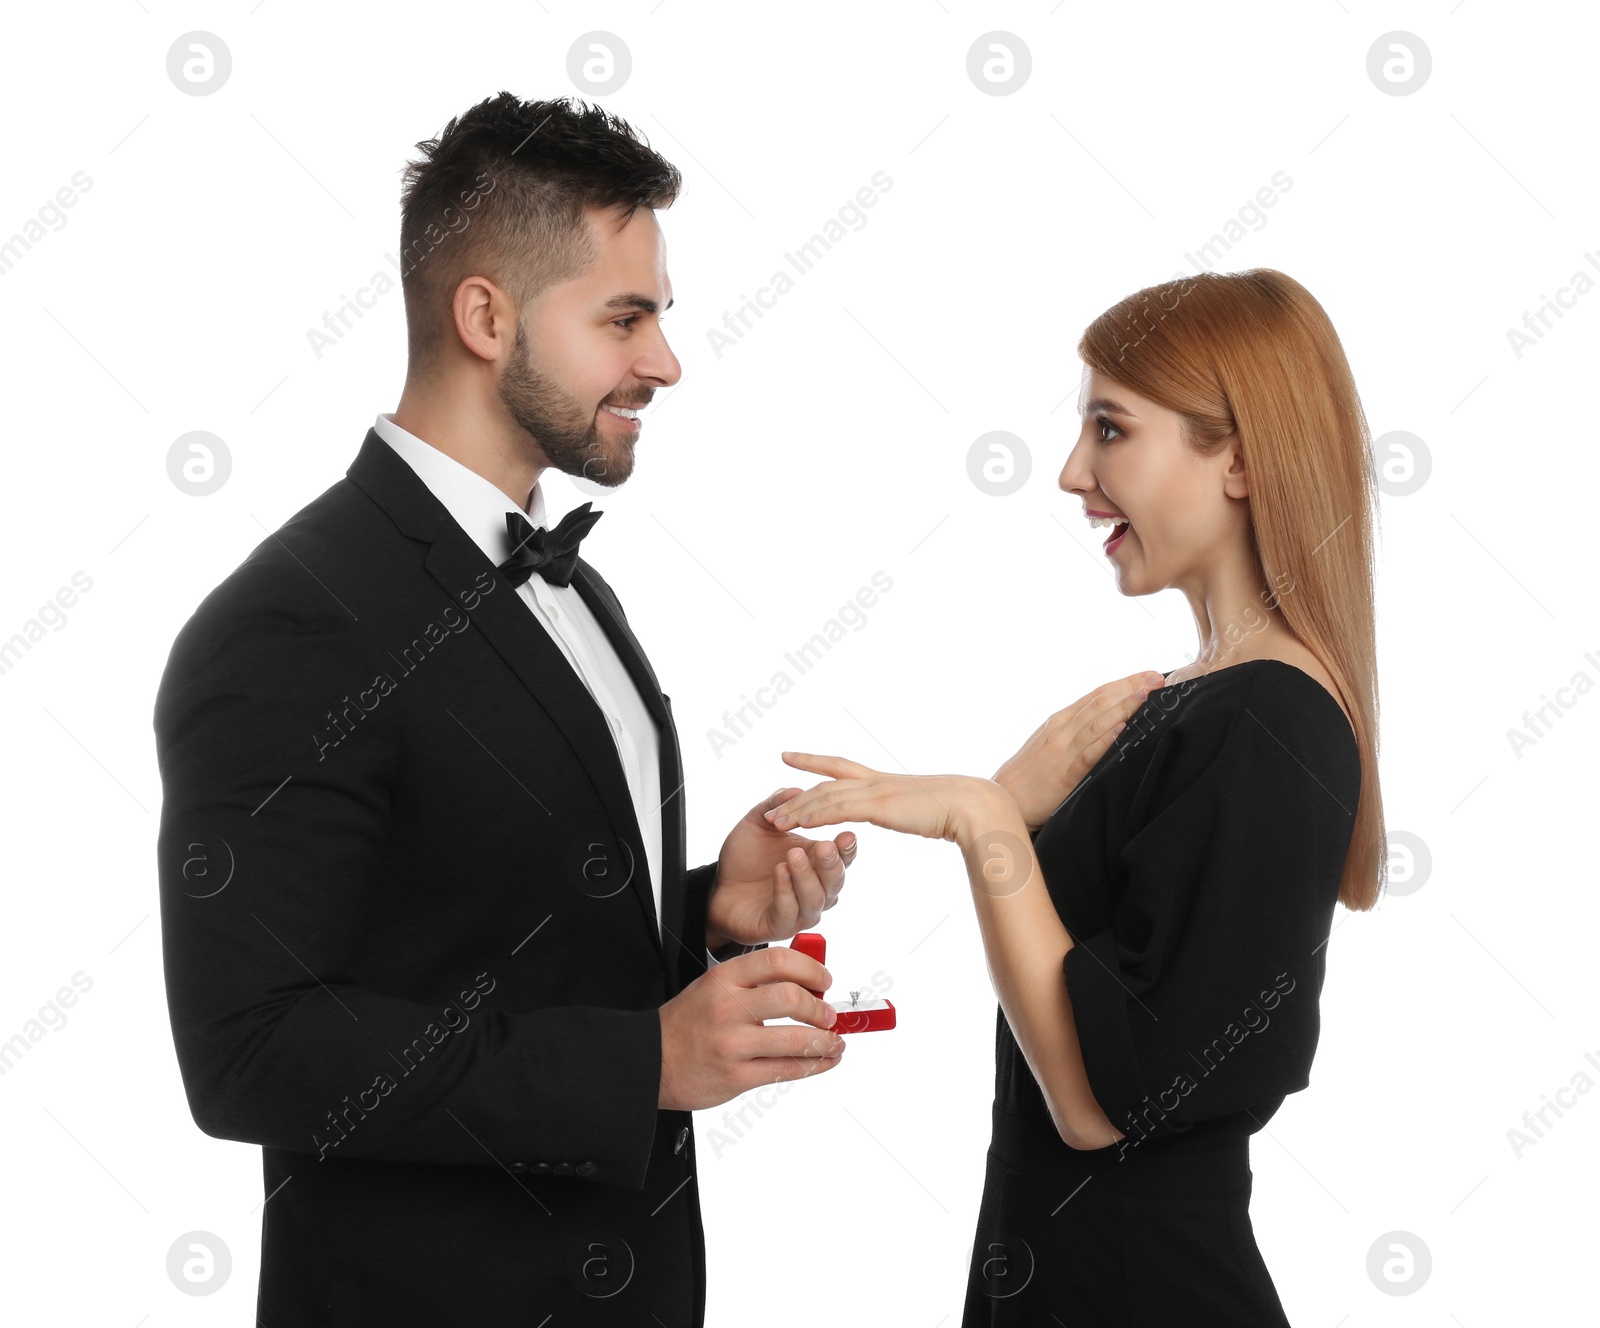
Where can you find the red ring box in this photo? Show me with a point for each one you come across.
(863, 1017)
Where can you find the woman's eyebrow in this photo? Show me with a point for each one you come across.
(1109, 406)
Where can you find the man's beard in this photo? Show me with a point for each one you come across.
(568, 434)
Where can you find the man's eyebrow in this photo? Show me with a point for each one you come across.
(634, 300)
(1109, 406)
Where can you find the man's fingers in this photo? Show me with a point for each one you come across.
(806, 910)
(785, 907)
(783, 1000)
(811, 886)
(829, 867)
(777, 963)
(776, 1069)
(789, 1040)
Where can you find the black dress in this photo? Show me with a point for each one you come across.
(1196, 868)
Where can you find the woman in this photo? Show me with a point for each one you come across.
(1155, 898)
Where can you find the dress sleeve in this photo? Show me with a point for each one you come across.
(1200, 999)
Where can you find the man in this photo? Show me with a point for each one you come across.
(429, 938)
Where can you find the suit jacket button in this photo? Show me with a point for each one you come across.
(541, 1168)
(562, 1168)
(518, 1167)
(683, 1138)
(587, 1168)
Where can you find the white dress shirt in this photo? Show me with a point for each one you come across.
(480, 508)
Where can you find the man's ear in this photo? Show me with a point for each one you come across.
(485, 318)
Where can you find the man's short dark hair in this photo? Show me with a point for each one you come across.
(502, 193)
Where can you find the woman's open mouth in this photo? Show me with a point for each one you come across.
(1118, 534)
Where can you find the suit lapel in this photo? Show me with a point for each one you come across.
(455, 562)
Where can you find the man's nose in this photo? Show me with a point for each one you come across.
(661, 364)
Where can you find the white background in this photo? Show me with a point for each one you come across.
(771, 484)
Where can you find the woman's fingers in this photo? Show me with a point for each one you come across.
(835, 767)
(780, 796)
(784, 813)
(797, 811)
(1100, 716)
(828, 804)
(1117, 704)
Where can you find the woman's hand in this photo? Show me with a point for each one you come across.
(1066, 746)
(952, 807)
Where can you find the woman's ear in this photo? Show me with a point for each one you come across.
(1235, 479)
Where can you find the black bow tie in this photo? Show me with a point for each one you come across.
(553, 554)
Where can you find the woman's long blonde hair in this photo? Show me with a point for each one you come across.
(1253, 353)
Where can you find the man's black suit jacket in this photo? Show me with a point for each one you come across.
(410, 941)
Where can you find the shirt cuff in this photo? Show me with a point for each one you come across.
(732, 950)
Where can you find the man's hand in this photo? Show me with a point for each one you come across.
(771, 884)
(714, 1045)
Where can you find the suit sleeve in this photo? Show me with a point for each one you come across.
(1201, 998)
(699, 882)
(266, 858)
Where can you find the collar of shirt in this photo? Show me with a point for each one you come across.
(478, 507)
